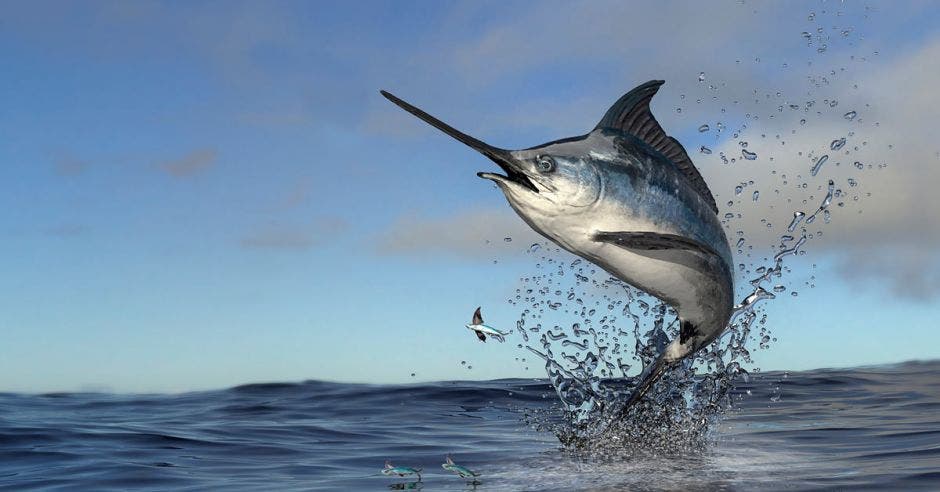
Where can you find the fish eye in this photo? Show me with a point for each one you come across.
(545, 163)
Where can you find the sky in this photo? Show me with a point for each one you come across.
(203, 194)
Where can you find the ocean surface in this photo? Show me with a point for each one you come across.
(872, 428)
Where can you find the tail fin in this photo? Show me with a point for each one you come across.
(656, 371)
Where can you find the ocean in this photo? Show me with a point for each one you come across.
(873, 428)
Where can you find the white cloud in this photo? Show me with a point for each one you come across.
(190, 164)
(474, 234)
(294, 237)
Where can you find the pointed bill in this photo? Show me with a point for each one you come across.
(503, 158)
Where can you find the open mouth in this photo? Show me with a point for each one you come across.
(501, 157)
(511, 176)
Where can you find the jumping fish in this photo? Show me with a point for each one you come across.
(401, 471)
(477, 326)
(462, 471)
(626, 197)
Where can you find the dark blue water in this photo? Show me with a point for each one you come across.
(875, 428)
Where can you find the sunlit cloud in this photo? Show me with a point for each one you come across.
(190, 164)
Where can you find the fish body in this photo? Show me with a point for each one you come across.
(627, 198)
(461, 471)
(476, 325)
(400, 471)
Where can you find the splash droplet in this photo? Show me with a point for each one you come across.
(748, 154)
(535, 247)
(755, 196)
(797, 217)
(837, 143)
(705, 150)
(507, 239)
(850, 115)
(819, 162)
(701, 76)
(703, 128)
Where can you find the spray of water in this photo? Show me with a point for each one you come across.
(596, 335)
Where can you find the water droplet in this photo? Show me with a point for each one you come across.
(507, 239)
(703, 128)
(779, 288)
(803, 121)
(701, 76)
(412, 374)
(748, 154)
(535, 247)
(705, 150)
(797, 217)
(837, 143)
(859, 165)
(755, 196)
(850, 115)
(819, 162)
(738, 189)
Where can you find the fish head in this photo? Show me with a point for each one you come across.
(546, 179)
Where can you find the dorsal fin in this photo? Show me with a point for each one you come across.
(631, 114)
(477, 317)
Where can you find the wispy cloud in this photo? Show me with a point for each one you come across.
(69, 165)
(911, 272)
(294, 237)
(190, 164)
(67, 230)
(474, 234)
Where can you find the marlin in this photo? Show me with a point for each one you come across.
(476, 325)
(461, 471)
(626, 197)
(401, 471)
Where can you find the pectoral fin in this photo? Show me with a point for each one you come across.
(665, 247)
(481, 336)
(652, 241)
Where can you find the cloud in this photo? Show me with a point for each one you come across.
(294, 237)
(190, 164)
(908, 272)
(68, 165)
(67, 230)
(473, 234)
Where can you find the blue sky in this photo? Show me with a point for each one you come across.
(212, 193)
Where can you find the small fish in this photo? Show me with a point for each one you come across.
(401, 471)
(482, 330)
(463, 472)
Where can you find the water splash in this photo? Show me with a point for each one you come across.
(595, 335)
